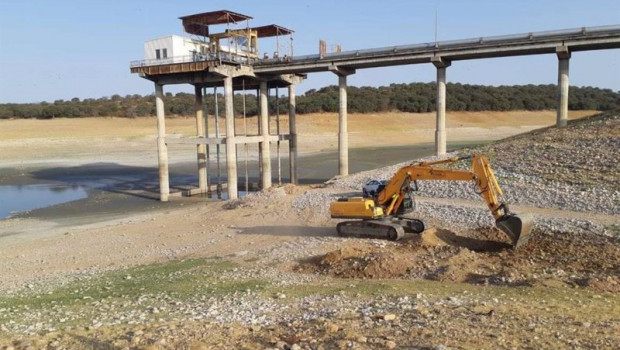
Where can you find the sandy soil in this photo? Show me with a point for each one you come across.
(26, 143)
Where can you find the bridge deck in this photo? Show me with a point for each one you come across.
(581, 39)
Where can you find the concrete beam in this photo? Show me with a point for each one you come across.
(231, 148)
(340, 71)
(162, 149)
(440, 62)
(343, 135)
(440, 128)
(201, 149)
(232, 71)
(264, 131)
(286, 79)
(212, 76)
(292, 125)
(563, 54)
(199, 78)
(222, 140)
(192, 140)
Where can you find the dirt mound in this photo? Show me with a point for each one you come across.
(484, 239)
(360, 262)
(570, 260)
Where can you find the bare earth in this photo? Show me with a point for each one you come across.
(448, 288)
(133, 141)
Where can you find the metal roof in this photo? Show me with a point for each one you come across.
(198, 23)
(271, 30)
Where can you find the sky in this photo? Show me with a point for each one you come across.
(61, 49)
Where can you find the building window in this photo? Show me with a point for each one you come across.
(157, 54)
(165, 53)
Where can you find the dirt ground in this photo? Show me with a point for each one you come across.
(26, 142)
(268, 236)
(480, 257)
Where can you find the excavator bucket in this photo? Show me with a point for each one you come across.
(517, 227)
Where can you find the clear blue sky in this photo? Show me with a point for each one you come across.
(68, 48)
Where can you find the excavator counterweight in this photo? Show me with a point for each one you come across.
(380, 214)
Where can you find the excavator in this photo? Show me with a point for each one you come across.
(381, 213)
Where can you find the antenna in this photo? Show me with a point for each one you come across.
(435, 27)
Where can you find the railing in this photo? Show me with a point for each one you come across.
(220, 56)
(498, 39)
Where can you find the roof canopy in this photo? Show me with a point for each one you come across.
(271, 30)
(198, 23)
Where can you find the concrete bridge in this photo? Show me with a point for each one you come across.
(232, 72)
(442, 54)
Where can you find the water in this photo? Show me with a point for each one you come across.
(20, 198)
(116, 178)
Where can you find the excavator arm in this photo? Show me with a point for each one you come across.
(394, 192)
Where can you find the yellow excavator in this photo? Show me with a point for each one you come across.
(380, 213)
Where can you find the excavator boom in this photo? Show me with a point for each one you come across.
(392, 200)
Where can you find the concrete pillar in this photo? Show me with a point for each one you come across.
(231, 150)
(162, 149)
(343, 136)
(264, 131)
(440, 128)
(563, 58)
(201, 149)
(292, 143)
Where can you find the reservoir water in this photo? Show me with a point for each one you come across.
(76, 183)
(21, 198)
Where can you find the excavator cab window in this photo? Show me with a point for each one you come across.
(413, 186)
(407, 205)
(373, 187)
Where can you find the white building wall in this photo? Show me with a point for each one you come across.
(178, 48)
(157, 44)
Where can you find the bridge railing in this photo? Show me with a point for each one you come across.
(498, 39)
(220, 56)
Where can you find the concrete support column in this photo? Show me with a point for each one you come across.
(231, 147)
(292, 143)
(264, 131)
(343, 135)
(440, 128)
(162, 149)
(563, 59)
(201, 150)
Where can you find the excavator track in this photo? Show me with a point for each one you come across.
(393, 229)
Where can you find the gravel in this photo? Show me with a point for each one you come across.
(580, 176)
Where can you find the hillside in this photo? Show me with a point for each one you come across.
(409, 98)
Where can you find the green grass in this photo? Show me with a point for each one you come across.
(614, 229)
(180, 279)
(187, 278)
(522, 300)
(193, 280)
(132, 289)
